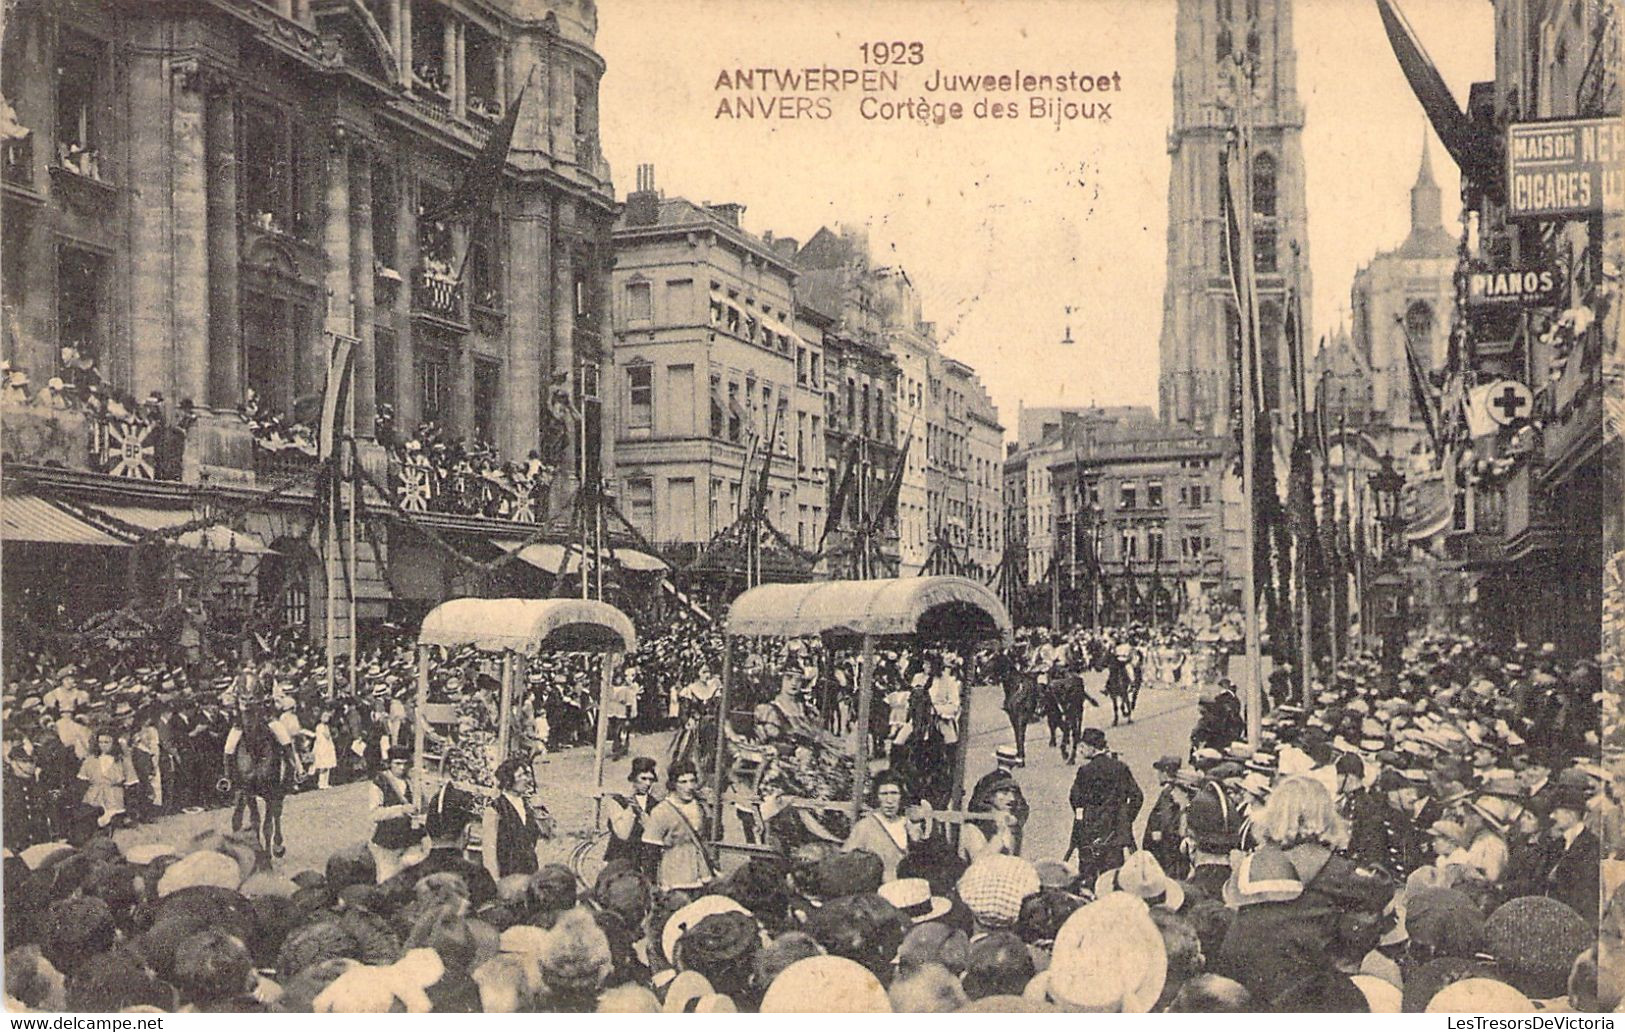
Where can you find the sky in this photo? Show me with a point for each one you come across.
(1003, 226)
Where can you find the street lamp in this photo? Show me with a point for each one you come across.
(1388, 588)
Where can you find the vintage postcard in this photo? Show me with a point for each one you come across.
(721, 506)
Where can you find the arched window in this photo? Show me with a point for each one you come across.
(1419, 328)
(1264, 184)
(1221, 43)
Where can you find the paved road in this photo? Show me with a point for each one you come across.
(320, 822)
(1162, 725)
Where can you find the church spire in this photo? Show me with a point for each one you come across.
(1425, 208)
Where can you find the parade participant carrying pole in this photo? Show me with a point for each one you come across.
(947, 611)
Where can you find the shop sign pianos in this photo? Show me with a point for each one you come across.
(1570, 168)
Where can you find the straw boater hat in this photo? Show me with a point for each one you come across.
(913, 897)
(1141, 875)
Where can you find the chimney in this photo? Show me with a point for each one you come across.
(643, 204)
(729, 213)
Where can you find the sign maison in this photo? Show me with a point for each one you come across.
(1569, 167)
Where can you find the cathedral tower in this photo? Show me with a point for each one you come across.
(1199, 320)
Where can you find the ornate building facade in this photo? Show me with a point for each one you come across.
(206, 199)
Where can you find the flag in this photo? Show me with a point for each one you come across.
(1479, 421)
(894, 485)
(1422, 392)
(837, 504)
(340, 366)
(478, 187)
(1470, 146)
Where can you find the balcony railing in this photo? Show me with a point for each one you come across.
(437, 293)
(437, 475)
(52, 428)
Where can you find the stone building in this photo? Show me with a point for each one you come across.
(836, 295)
(1535, 506)
(209, 196)
(714, 381)
(1405, 297)
(1139, 524)
(1198, 356)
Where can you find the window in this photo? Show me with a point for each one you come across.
(586, 97)
(1153, 494)
(81, 308)
(1264, 185)
(679, 301)
(639, 302)
(801, 442)
(1127, 496)
(436, 248)
(1131, 545)
(679, 401)
(383, 367)
(718, 409)
(386, 205)
(735, 422)
(487, 398)
(78, 129)
(430, 69)
(583, 297)
(264, 153)
(1264, 257)
(640, 396)
(434, 384)
(640, 505)
(273, 339)
(296, 600)
(485, 264)
(1153, 544)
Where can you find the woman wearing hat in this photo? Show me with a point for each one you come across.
(628, 814)
(886, 830)
(1294, 893)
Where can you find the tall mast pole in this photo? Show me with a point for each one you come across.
(1249, 397)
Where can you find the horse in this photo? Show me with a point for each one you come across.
(1120, 689)
(263, 775)
(1071, 693)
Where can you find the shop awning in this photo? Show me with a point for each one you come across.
(25, 517)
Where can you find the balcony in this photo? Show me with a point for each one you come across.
(434, 473)
(52, 427)
(436, 291)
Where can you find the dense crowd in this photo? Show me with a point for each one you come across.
(120, 743)
(1431, 844)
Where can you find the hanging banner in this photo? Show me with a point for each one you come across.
(1567, 167)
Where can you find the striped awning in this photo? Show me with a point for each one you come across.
(26, 517)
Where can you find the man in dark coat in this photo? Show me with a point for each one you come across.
(1163, 837)
(1573, 878)
(1367, 813)
(446, 823)
(1105, 800)
(1212, 830)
